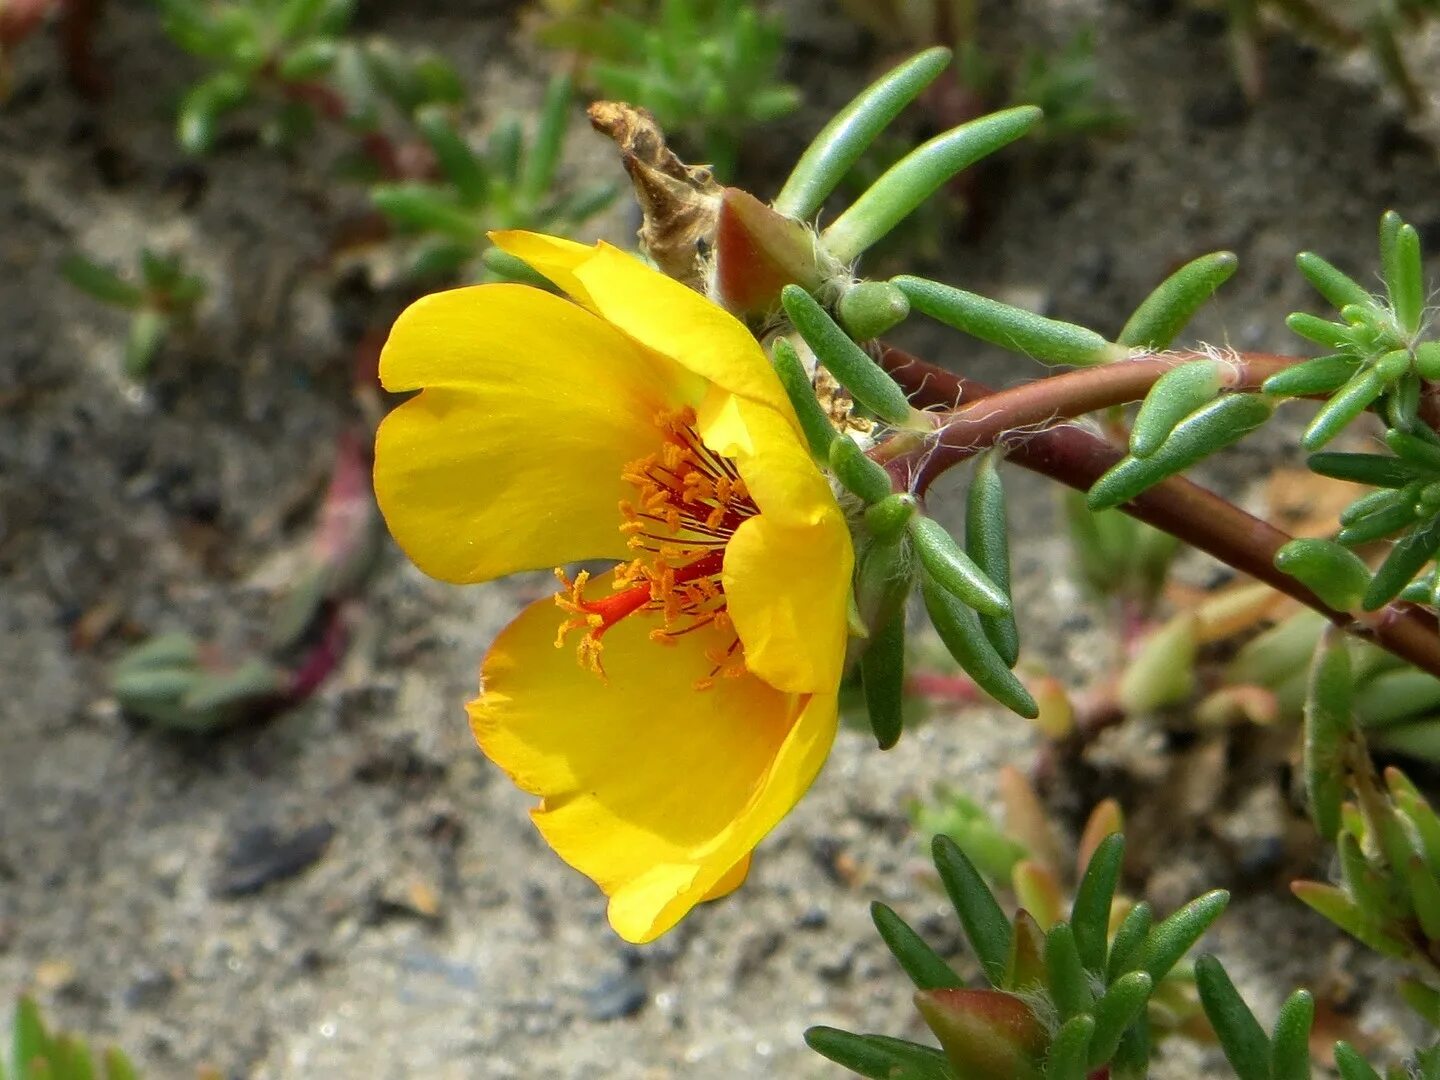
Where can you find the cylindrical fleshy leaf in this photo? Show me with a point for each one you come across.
(1175, 395)
(1047, 340)
(847, 135)
(1334, 573)
(916, 176)
(1244, 1041)
(852, 367)
(954, 570)
(1164, 313)
(869, 308)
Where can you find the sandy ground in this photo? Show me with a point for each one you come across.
(435, 936)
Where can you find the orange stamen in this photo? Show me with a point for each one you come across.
(689, 501)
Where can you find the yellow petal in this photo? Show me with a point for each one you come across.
(656, 311)
(511, 459)
(678, 322)
(778, 470)
(787, 589)
(552, 257)
(656, 791)
(787, 571)
(730, 881)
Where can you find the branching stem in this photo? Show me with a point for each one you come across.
(1078, 458)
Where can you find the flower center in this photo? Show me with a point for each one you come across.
(689, 503)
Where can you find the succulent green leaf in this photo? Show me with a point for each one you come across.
(884, 575)
(1376, 501)
(1370, 888)
(1090, 914)
(1392, 696)
(505, 148)
(960, 630)
(1244, 1041)
(1166, 311)
(1290, 1043)
(538, 172)
(882, 676)
(458, 162)
(1323, 332)
(1419, 452)
(878, 1057)
(841, 141)
(1427, 359)
(1421, 816)
(860, 474)
(508, 267)
(1130, 937)
(954, 570)
(148, 330)
(985, 924)
(1337, 906)
(869, 308)
(1205, 432)
(987, 542)
(202, 107)
(1065, 975)
(1173, 936)
(1351, 1065)
(1334, 573)
(1375, 470)
(426, 208)
(1348, 402)
(118, 1066)
(916, 176)
(1176, 394)
(1318, 375)
(1048, 340)
(1377, 526)
(849, 363)
(1070, 1049)
(926, 969)
(889, 518)
(101, 283)
(1118, 1008)
(1328, 724)
(1405, 560)
(29, 1039)
(308, 61)
(1405, 278)
(1423, 999)
(1336, 287)
(1420, 739)
(819, 432)
(1162, 673)
(1424, 896)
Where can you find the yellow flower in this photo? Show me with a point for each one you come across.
(694, 698)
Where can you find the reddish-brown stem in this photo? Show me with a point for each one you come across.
(1200, 518)
(969, 428)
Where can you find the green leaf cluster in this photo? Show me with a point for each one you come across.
(161, 297)
(507, 183)
(295, 56)
(167, 681)
(37, 1053)
(706, 69)
(1060, 1002)
(1388, 895)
